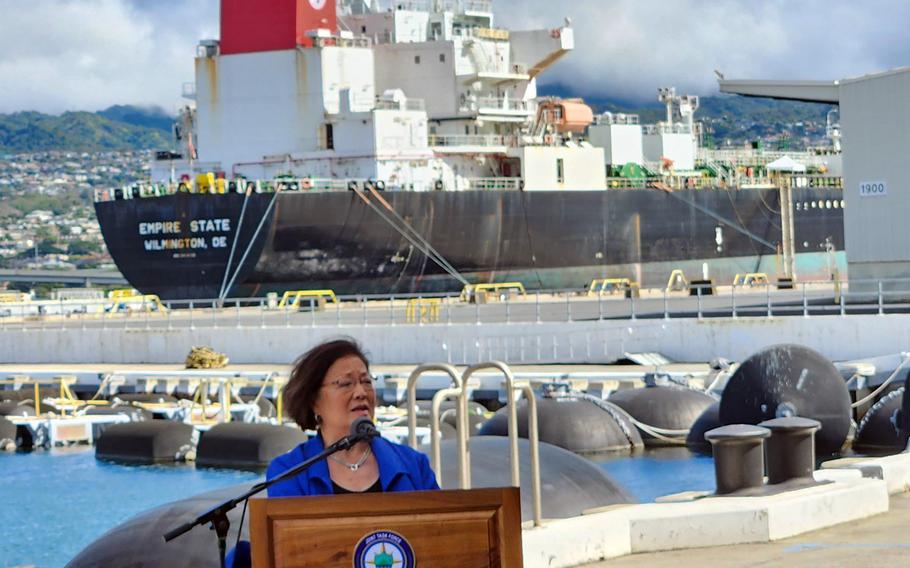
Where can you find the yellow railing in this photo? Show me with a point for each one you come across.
(292, 297)
(123, 293)
(423, 310)
(471, 290)
(208, 410)
(601, 286)
(751, 279)
(677, 281)
(66, 399)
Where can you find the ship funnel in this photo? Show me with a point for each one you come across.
(249, 26)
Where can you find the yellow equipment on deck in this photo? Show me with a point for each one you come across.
(677, 282)
(601, 286)
(423, 310)
(751, 279)
(14, 297)
(292, 298)
(472, 291)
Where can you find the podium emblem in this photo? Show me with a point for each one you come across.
(383, 549)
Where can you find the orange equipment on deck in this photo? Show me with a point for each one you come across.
(570, 115)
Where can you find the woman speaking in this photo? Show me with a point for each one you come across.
(330, 387)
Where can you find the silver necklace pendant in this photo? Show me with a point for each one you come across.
(356, 465)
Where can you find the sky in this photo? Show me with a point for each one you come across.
(58, 55)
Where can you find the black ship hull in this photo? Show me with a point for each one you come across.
(546, 239)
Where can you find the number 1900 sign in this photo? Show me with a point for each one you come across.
(873, 188)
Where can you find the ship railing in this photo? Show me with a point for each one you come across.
(239, 185)
(677, 128)
(674, 182)
(749, 157)
(406, 104)
(471, 140)
(793, 180)
(495, 104)
(342, 41)
(617, 118)
(706, 299)
(494, 183)
(456, 6)
(694, 180)
(408, 5)
(820, 181)
(462, 6)
(626, 183)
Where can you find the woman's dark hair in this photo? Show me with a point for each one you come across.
(307, 375)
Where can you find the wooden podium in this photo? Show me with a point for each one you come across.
(440, 529)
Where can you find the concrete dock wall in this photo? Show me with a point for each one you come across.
(837, 337)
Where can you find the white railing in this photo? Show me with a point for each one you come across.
(147, 190)
(407, 104)
(469, 140)
(677, 128)
(462, 6)
(497, 103)
(495, 183)
(750, 157)
(339, 41)
(671, 182)
(696, 301)
(740, 182)
(457, 6)
(616, 118)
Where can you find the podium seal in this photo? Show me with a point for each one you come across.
(383, 549)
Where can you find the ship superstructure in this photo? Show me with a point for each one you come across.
(420, 94)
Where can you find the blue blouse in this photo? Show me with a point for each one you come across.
(400, 469)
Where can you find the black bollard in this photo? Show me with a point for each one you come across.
(738, 456)
(791, 448)
(902, 418)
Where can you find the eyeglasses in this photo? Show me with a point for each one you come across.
(347, 384)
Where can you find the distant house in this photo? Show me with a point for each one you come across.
(40, 216)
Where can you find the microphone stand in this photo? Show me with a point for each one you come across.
(218, 515)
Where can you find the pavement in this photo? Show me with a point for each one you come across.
(878, 541)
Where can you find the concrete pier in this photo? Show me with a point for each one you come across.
(879, 541)
(821, 522)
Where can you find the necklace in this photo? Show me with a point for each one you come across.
(353, 466)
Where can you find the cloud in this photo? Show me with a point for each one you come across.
(629, 48)
(58, 55)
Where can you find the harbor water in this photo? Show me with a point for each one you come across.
(69, 494)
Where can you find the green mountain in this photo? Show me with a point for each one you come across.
(80, 131)
(729, 118)
(151, 117)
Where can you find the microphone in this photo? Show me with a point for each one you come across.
(363, 429)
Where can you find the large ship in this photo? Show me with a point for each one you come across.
(375, 147)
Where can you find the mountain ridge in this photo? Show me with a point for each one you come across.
(120, 127)
(729, 119)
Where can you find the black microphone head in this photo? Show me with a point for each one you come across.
(364, 428)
